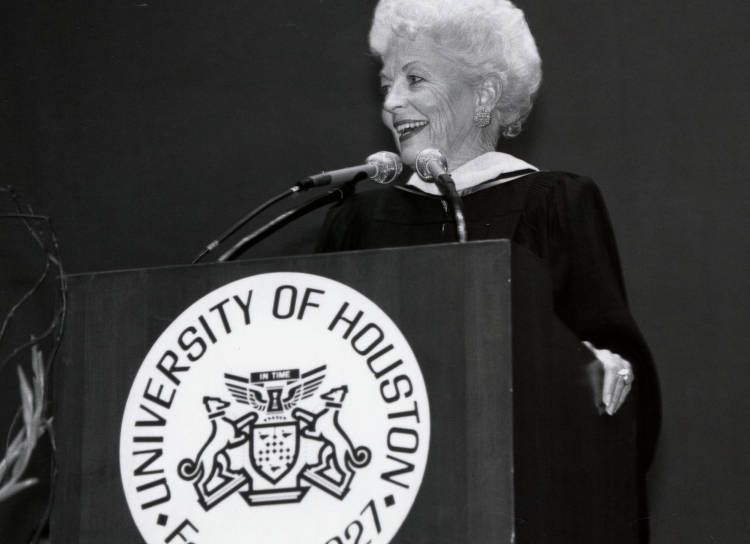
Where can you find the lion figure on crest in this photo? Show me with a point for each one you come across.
(337, 454)
(225, 433)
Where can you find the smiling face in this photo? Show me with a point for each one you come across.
(428, 104)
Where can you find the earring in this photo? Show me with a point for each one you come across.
(482, 116)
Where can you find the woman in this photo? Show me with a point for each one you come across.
(456, 76)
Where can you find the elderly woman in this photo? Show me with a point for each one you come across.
(457, 76)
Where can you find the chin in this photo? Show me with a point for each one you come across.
(409, 158)
(408, 154)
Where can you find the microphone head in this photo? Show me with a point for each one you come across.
(387, 166)
(431, 162)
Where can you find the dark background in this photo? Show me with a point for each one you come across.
(145, 128)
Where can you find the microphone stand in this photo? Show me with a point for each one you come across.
(339, 193)
(448, 187)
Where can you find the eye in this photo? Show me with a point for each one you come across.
(384, 89)
(414, 80)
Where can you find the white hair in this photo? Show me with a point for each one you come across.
(484, 36)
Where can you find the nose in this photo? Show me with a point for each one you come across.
(394, 98)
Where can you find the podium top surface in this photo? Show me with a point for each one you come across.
(453, 248)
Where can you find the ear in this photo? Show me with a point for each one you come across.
(489, 91)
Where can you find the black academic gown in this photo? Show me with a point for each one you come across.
(562, 219)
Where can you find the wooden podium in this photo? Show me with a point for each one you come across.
(519, 451)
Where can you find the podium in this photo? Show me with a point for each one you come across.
(518, 449)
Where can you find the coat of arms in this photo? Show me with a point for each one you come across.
(274, 432)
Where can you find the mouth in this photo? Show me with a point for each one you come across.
(408, 128)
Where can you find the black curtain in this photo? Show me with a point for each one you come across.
(144, 128)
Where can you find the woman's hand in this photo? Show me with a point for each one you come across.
(618, 378)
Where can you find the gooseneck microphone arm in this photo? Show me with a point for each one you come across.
(337, 194)
(431, 165)
(244, 220)
(381, 167)
(448, 187)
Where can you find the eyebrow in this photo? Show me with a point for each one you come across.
(403, 68)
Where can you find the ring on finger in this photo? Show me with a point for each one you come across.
(626, 375)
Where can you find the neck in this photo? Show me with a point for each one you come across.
(462, 157)
(471, 148)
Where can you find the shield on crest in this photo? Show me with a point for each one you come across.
(275, 447)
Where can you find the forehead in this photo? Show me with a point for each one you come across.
(422, 51)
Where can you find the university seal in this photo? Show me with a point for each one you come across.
(280, 408)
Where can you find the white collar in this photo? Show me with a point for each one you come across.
(482, 168)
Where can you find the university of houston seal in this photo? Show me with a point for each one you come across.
(281, 408)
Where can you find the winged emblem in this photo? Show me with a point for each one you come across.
(274, 395)
(304, 388)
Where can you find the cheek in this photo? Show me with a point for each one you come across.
(387, 119)
(388, 122)
(443, 115)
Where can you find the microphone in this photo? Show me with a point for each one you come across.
(432, 165)
(381, 167)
